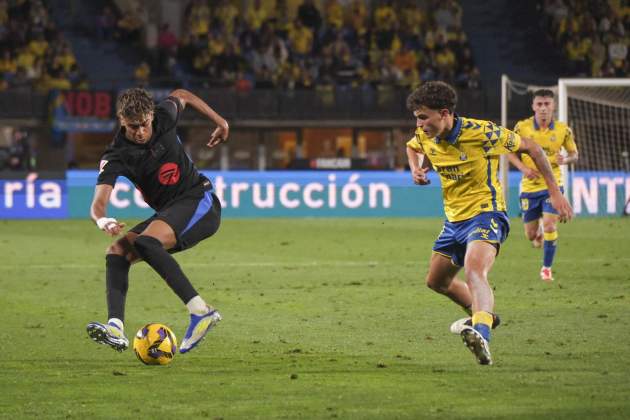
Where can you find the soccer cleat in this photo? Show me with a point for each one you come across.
(477, 345)
(108, 334)
(198, 328)
(460, 324)
(546, 275)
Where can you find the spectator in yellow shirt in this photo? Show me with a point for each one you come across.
(334, 14)
(256, 15)
(300, 38)
(8, 65)
(142, 73)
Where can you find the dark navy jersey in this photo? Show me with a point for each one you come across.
(160, 168)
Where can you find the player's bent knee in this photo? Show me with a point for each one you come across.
(436, 286)
(146, 246)
(116, 249)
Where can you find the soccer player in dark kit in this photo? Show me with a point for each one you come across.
(148, 152)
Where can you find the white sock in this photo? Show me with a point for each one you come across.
(197, 306)
(117, 322)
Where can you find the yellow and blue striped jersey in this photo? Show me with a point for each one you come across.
(468, 163)
(552, 140)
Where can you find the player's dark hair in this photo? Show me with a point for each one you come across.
(433, 95)
(134, 104)
(545, 93)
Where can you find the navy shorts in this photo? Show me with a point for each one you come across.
(492, 227)
(533, 205)
(193, 219)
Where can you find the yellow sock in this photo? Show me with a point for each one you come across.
(551, 236)
(482, 322)
(482, 317)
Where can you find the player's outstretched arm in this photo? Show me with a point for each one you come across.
(558, 201)
(419, 165)
(221, 133)
(528, 172)
(98, 211)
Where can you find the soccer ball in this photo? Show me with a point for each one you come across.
(155, 344)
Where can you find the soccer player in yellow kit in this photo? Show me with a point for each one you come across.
(465, 153)
(552, 136)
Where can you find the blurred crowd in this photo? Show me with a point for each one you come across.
(592, 33)
(340, 44)
(33, 52)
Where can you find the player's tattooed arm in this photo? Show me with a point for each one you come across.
(558, 201)
(221, 132)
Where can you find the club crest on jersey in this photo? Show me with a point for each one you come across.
(552, 138)
(168, 174)
(463, 156)
(433, 151)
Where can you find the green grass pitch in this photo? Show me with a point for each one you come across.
(322, 319)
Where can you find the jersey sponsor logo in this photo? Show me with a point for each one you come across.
(101, 166)
(450, 172)
(168, 174)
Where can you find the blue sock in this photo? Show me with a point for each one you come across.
(484, 330)
(549, 248)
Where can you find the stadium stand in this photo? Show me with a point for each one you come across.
(393, 44)
(593, 35)
(34, 52)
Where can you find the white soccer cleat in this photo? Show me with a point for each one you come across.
(477, 345)
(460, 324)
(108, 334)
(546, 275)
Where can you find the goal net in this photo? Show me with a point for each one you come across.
(598, 111)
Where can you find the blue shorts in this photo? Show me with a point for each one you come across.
(492, 226)
(533, 205)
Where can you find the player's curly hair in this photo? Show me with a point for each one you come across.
(134, 104)
(433, 95)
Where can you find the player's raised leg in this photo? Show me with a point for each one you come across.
(442, 278)
(152, 246)
(550, 223)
